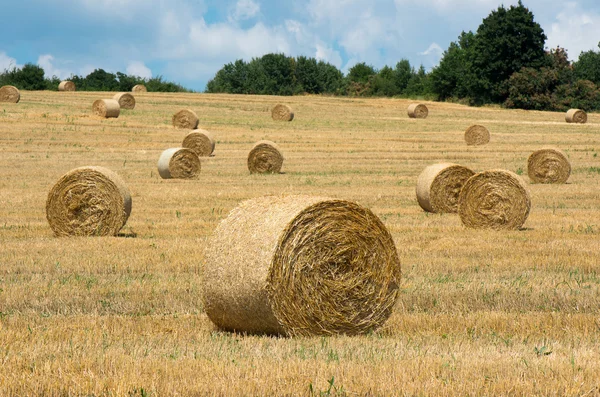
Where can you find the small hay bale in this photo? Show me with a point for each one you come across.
(88, 201)
(125, 99)
(439, 185)
(106, 108)
(549, 165)
(139, 88)
(200, 141)
(66, 86)
(265, 157)
(495, 199)
(417, 111)
(300, 265)
(10, 94)
(576, 116)
(179, 163)
(282, 113)
(477, 135)
(186, 119)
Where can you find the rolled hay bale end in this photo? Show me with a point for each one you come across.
(10, 94)
(548, 165)
(265, 157)
(576, 116)
(139, 88)
(66, 86)
(106, 108)
(282, 113)
(88, 201)
(495, 199)
(477, 135)
(200, 141)
(299, 265)
(439, 185)
(418, 111)
(179, 163)
(125, 99)
(185, 119)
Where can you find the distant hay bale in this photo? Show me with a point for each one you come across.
(495, 199)
(417, 111)
(179, 163)
(439, 185)
(125, 99)
(549, 165)
(282, 113)
(106, 108)
(200, 141)
(186, 119)
(139, 88)
(66, 86)
(576, 116)
(265, 157)
(477, 135)
(300, 265)
(9, 93)
(88, 201)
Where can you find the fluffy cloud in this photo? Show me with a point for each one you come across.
(575, 29)
(137, 68)
(243, 10)
(7, 62)
(46, 62)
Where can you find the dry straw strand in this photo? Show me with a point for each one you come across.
(185, 119)
(300, 265)
(495, 199)
(576, 116)
(282, 113)
(417, 111)
(200, 141)
(477, 135)
(88, 201)
(139, 88)
(265, 157)
(179, 163)
(125, 99)
(439, 185)
(106, 108)
(548, 165)
(66, 86)
(9, 93)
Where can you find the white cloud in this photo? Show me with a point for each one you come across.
(46, 62)
(7, 62)
(327, 54)
(574, 29)
(137, 68)
(244, 10)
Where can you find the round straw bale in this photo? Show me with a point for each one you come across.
(180, 163)
(549, 165)
(439, 185)
(88, 201)
(200, 141)
(185, 119)
(282, 113)
(106, 108)
(9, 93)
(417, 111)
(495, 199)
(477, 135)
(139, 88)
(265, 157)
(66, 86)
(576, 116)
(300, 265)
(125, 99)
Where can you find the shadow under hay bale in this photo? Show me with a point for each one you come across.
(549, 165)
(439, 185)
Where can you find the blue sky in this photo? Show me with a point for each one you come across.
(187, 41)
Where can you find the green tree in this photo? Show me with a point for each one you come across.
(29, 77)
(402, 75)
(361, 73)
(383, 84)
(330, 77)
(451, 78)
(307, 76)
(587, 66)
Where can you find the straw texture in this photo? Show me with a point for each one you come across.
(106, 108)
(549, 165)
(66, 86)
(477, 135)
(300, 265)
(576, 116)
(265, 157)
(439, 185)
(200, 141)
(88, 201)
(139, 88)
(495, 199)
(186, 119)
(417, 111)
(125, 99)
(9, 93)
(179, 163)
(282, 113)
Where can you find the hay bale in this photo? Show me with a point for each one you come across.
(495, 199)
(200, 141)
(139, 88)
(300, 265)
(179, 163)
(439, 185)
(549, 165)
(10, 94)
(417, 111)
(185, 119)
(125, 99)
(106, 108)
(265, 157)
(282, 113)
(66, 86)
(477, 135)
(576, 116)
(88, 201)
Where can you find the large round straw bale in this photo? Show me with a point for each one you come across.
(438, 187)
(200, 141)
(125, 99)
(106, 108)
(265, 157)
(66, 86)
(576, 116)
(139, 88)
(495, 199)
(282, 113)
(185, 119)
(180, 163)
(477, 135)
(299, 265)
(88, 201)
(549, 165)
(417, 111)
(9, 93)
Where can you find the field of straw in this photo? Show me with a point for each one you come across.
(479, 313)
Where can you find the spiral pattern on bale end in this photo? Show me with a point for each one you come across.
(439, 185)
(265, 157)
(200, 141)
(139, 88)
(417, 111)
(549, 165)
(179, 163)
(107, 108)
(282, 113)
(10, 94)
(186, 119)
(66, 86)
(576, 116)
(125, 99)
(477, 135)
